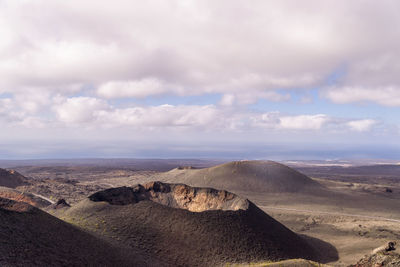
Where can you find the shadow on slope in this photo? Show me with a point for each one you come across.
(31, 237)
(326, 252)
(156, 218)
(11, 178)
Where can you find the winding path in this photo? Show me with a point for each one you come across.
(334, 213)
(45, 198)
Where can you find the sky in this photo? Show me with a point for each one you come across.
(272, 79)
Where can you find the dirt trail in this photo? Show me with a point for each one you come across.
(333, 213)
(45, 198)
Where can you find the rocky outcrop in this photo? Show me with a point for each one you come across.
(186, 168)
(179, 196)
(385, 255)
(61, 203)
(115, 196)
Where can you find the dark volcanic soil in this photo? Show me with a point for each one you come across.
(31, 237)
(156, 218)
(11, 178)
(239, 176)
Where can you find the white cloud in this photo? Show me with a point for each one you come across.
(163, 116)
(80, 110)
(361, 125)
(32, 122)
(32, 100)
(227, 100)
(90, 112)
(5, 105)
(93, 112)
(67, 64)
(318, 122)
(201, 47)
(136, 89)
(9, 115)
(247, 98)
(304, 122)
(387, 96)
(276, 120)
(14, 113)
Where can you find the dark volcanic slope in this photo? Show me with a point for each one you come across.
(11, 178)
(187, 226)
(256, 176)
(31, 237)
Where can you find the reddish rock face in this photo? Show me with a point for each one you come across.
(173, 195)
(15, 195)
(11, 205)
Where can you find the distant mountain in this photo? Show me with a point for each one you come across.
(124, 163)
(255, 176)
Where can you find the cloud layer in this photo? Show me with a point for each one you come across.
(223, 47)
(200, 66)
(385, 96)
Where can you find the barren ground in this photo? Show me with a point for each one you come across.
(358, 216)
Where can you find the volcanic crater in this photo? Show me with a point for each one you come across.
(208, 227)
(179, 196)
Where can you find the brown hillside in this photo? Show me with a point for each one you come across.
(18, 196)
(255, 176)
(11, 178)
(31, 237)
(186, 226)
